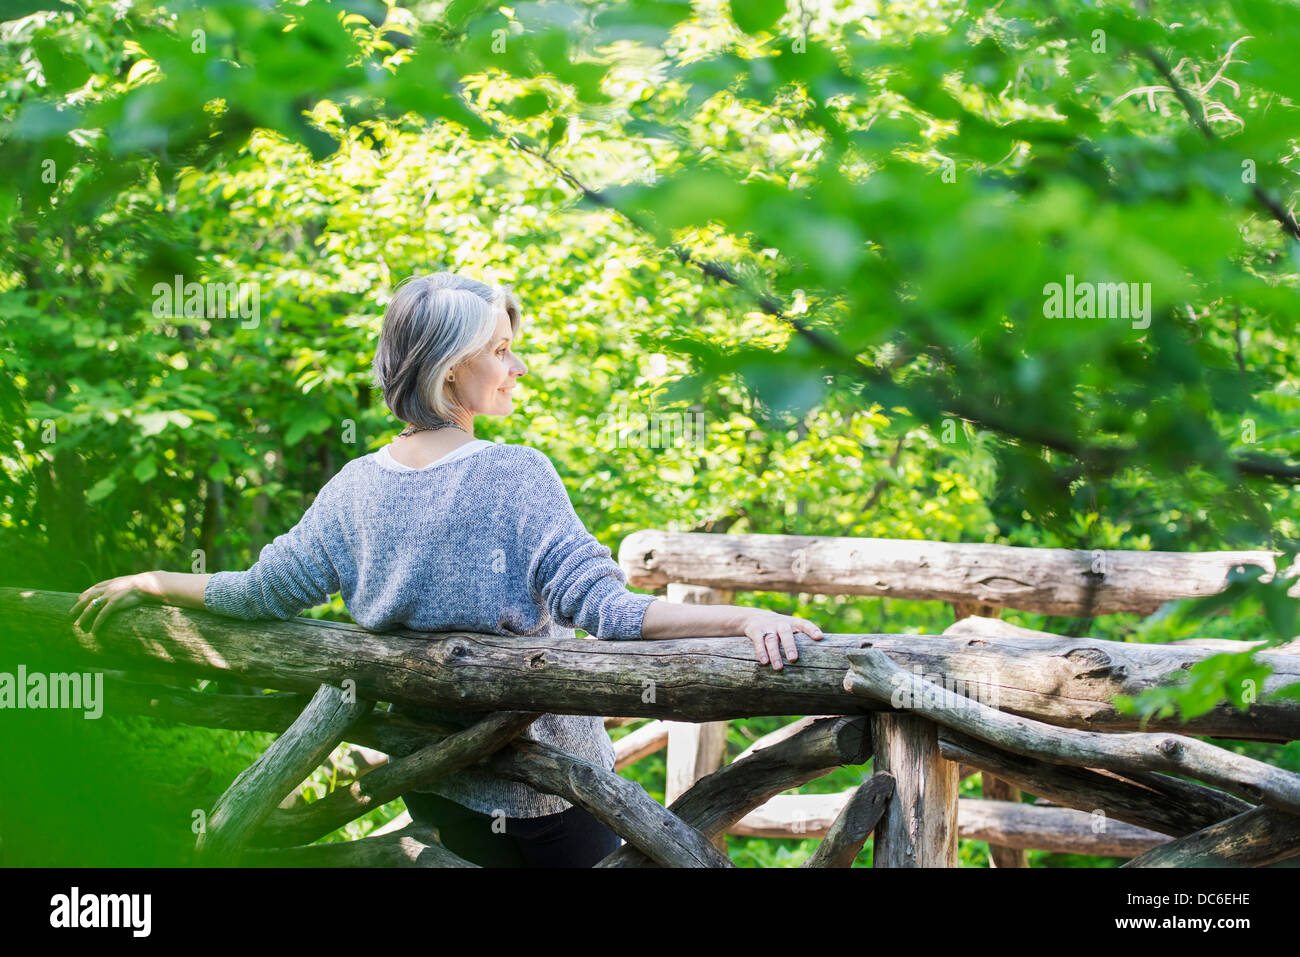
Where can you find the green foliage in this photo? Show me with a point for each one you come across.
(883, 195)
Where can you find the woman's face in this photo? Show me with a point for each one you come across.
(485, 384)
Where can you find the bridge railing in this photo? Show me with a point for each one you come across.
(1028, 709)
(978, 580)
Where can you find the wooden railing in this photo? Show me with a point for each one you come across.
(887, 699)
(978, 580)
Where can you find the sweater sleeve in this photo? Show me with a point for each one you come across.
(572, 573)
(293, 573)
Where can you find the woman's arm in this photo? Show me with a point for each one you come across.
(174, 588)
(666, 619)
(768, 631)
(94, 605)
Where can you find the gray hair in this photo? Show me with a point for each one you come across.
(433, 323)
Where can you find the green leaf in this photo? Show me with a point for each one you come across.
(756, 16)
(101, 490)
(145, 469)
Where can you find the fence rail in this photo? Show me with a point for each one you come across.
(917, 706)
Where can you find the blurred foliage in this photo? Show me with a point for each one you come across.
(828, 229)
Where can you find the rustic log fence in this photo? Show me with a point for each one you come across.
(1048, 728)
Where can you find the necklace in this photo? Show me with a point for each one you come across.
(411, 430)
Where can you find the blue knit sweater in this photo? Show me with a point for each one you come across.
(484, 540)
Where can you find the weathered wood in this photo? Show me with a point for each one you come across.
(872, 673)
(990, 625)
(289, 759)
(1051, 581)
(621, 805)
(919, 826)
(695, 749)
(725, 796)
(1255, 838)
(414, 846)
(1010, 824)
(635, 745)
(983, 626)
(1146, 799)
(780, 734)
(853, 825)
(302, 825)
(1065, 681)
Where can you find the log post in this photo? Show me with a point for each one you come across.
(695, 750)
(919, 826)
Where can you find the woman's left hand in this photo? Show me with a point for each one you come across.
(100, 600)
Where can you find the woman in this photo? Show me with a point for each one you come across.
(441, 531)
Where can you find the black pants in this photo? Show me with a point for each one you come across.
(572, 838)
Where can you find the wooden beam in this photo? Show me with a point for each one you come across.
(1008, 823)
(1256, 838)
(279, 769)
(1154, 801)
(307, 823)
(872, 673)
(1064, 681)
(780, 734)
(848, 833)
(1050, 581)
(994, 788)
(619, 804)
(991, 786)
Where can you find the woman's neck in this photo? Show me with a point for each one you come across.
(425, 448)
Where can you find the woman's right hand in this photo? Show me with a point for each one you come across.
(771, 633)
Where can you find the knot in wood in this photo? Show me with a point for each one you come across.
(537, 660)
(1169, 747)
(1094, 657)
(458, 650)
